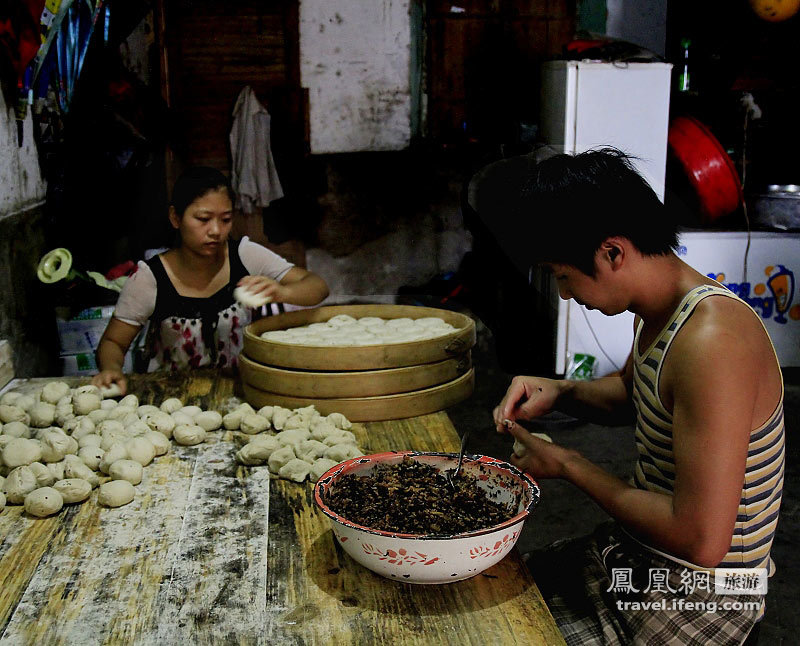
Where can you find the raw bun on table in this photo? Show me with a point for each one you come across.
(116, 493)
(73, 490)
(44, 501)
(129, 470)
(21, 452)
(19, 483)
(189, 435)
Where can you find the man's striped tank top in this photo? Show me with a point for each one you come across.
(655, 469)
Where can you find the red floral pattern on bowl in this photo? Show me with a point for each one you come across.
(417, 558)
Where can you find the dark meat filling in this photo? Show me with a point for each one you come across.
(415, 498)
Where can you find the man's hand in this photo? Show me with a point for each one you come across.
(526, 398)
(105, 378)
(542, 459)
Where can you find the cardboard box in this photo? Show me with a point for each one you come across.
(81, 334)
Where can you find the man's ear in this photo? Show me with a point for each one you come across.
(613, 252)
(174, 220)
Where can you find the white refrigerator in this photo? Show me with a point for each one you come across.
(585, 105)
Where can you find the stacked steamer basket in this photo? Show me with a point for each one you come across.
(372, 382)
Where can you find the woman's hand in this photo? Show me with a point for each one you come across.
(105, 378)
(526, 398)
(541, 459)
(266, 287)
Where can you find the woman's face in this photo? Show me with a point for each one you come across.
(206, 223)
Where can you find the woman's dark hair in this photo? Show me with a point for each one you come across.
(562, 208)
(572, 203)
(194, 183)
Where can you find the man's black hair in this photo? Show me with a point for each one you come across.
(561, 209)
(194, 183)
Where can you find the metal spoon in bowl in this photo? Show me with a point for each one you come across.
(452, 473)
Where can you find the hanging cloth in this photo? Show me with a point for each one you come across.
(254, 177)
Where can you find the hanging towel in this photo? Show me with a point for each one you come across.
(254, 177)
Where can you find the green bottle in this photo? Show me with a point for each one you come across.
(683, 77)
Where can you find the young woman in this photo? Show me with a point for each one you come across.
(186, 293)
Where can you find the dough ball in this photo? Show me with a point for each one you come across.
(296, 470)
(244, 408)
(191, 411)
(91, 456)
(64, 401)
(249, 299)
(5, 440)
(113, 437)
(319, 467)
(295, 422)
(339, 421)
(232, 421)
(120, 412)
(72, 446)
(253, 423)
(44, 502)
(141, 450)
(109, 426)
(116, 451)
(84, 427)
(17, 429)
(342, 452)
(19, 483)
(89, 389)
(311, 450)
(181, 418)
(2, 501)
(21, 452)
(131, 401)
(108, 405)
(171, 405)
(340, 437)
(13, 414)
(292, 438)
(210, 420)
(189, 435)
(54, 390)
(322, 429)
(279, 417)
(85, 402)
(98, 415)
(63, 414)
(129, 470)
(10, 398)
(40, 433)
(340, 320)
(73, 490)
(146, 409)
(266, 412)
(280, 457)
(57, 469)
(92, 439)
(161, 422)
(110, 391)
(43, 476)
(258, 450)
(75, 468)
(159, 441)
(116, 493)
(138, 428)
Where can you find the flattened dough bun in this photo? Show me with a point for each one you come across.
(116, 493)
(249, 299)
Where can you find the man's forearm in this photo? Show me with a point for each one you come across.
(604, 400)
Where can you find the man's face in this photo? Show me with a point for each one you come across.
(594, 292)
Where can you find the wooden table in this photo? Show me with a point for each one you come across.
(211, 552)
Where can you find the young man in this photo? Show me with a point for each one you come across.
(704, 387)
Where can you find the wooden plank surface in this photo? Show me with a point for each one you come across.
(210, 552)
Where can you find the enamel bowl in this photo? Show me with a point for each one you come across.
(417, 558)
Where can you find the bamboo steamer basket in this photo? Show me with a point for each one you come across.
(370, 357)
(374, 409)
(365, 383)
(356, 383)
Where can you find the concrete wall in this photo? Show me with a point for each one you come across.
(25, 318)
(355, 58)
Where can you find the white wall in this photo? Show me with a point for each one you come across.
(355, 58)
(21, 184)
